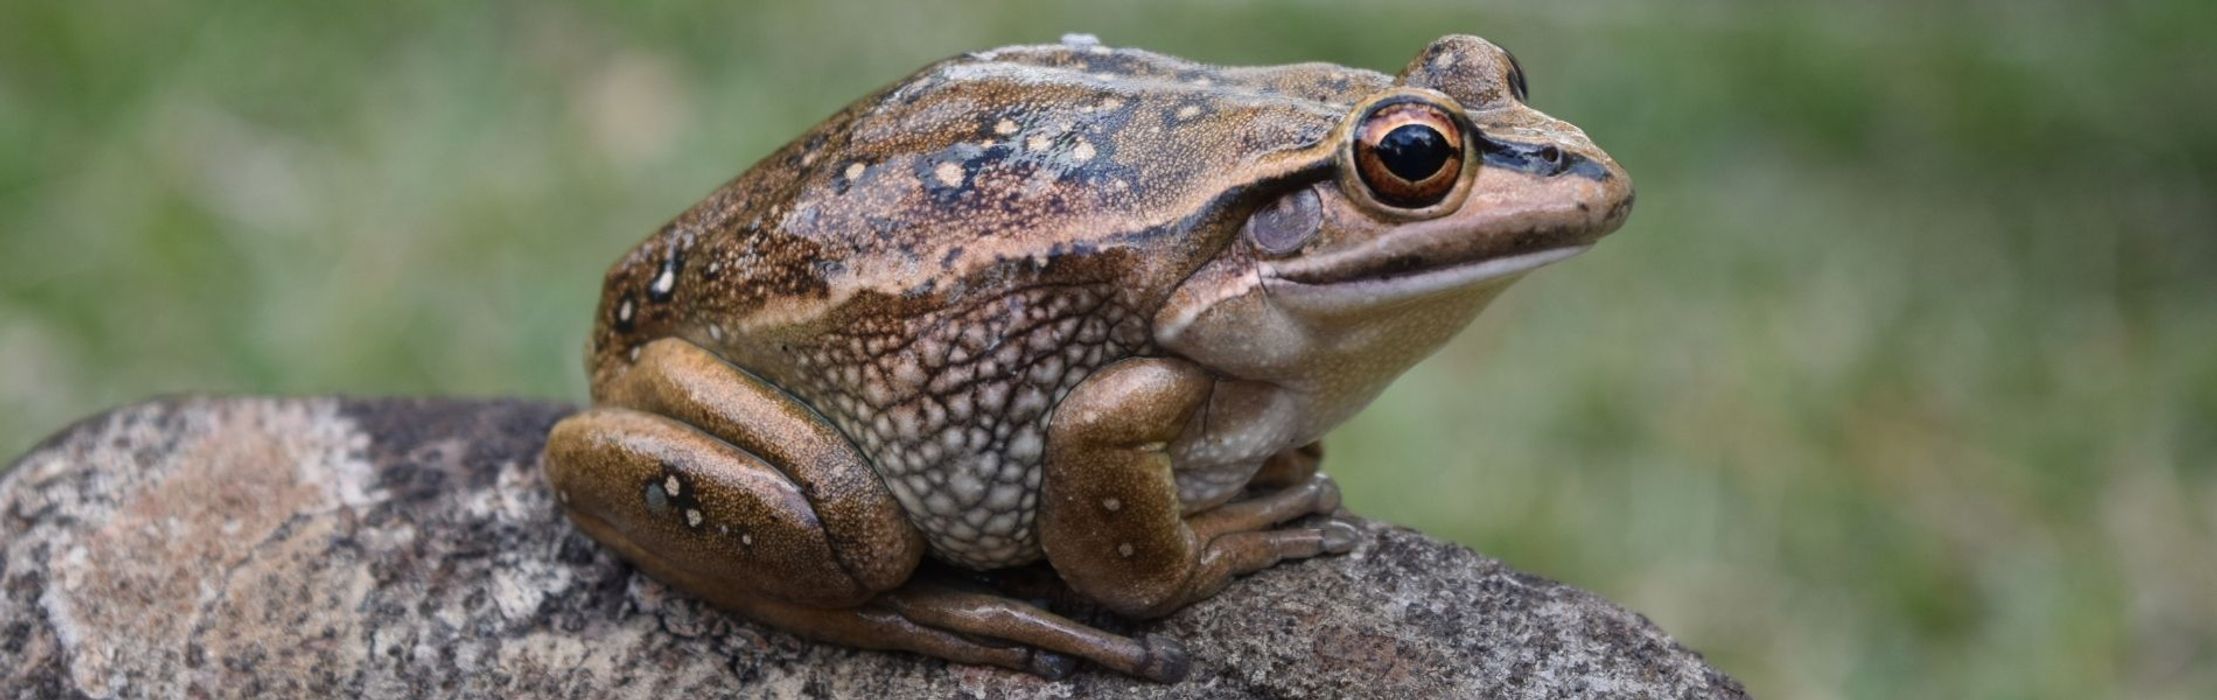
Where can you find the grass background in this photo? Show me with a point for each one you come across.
(1902, 380)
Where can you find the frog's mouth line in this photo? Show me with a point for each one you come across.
(1386, 283)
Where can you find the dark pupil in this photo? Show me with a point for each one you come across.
(1414, 151)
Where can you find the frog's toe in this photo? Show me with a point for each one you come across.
(1166, 660)
(1327, 494)
(1340, 537)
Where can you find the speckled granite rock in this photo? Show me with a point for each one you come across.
(408, 548)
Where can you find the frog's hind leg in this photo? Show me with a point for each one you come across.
(721, 484)
(731, 478)
(691, 508)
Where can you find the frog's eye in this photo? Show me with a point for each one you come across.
(1409, 154)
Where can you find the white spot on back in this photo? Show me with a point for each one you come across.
(1112, 504)
(672, 485)
(664, 282)
(855, 170)
(949, 174)
(692, 518)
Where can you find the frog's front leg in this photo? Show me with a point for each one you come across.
(723, 485)
(1111, 521)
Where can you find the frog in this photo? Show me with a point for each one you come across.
(1069, 306)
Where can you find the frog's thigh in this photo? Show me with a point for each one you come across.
(695, 465)
(694, 509)
(1111, 522)
(870, 535)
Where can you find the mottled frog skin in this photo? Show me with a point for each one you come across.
(1067, 302)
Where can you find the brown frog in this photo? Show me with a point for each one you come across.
(1070, 302)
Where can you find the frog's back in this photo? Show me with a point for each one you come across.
(1014, 153)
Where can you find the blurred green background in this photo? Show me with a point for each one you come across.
(1902, 380)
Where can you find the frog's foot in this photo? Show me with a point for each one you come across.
(984, 615)
(1318, 495)
(1241, 538)
(942, 621)
(1111, 520)
(972, 628)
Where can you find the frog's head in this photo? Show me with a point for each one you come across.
(1430, 197)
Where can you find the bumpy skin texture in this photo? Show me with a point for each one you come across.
(1058, 301)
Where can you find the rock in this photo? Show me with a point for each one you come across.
(409, 548)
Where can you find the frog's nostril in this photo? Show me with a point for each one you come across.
(1536, 159)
